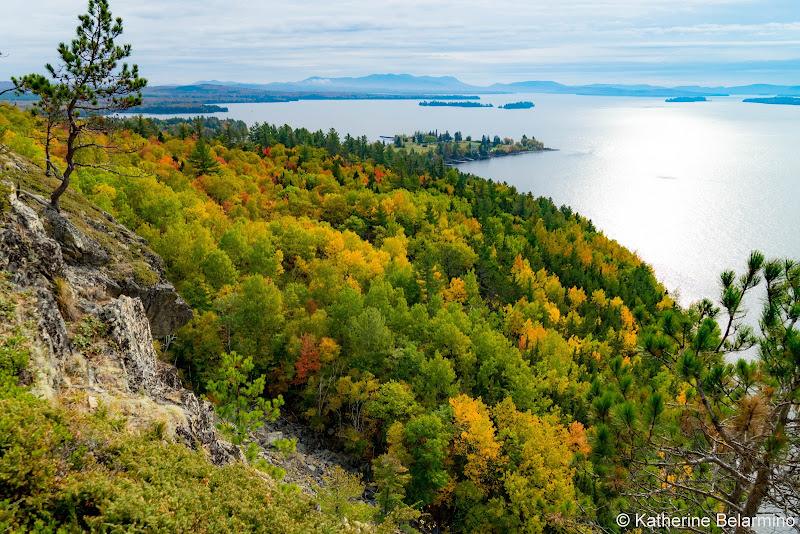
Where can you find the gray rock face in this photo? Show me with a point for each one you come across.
(129, 329)
(53, 332)
(165, 309)
(76, 246)
(38, 254)
(200, 428)
(25, 248)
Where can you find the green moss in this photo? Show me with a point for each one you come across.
(143, 274)
(5, 191)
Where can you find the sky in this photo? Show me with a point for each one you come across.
(664, 42)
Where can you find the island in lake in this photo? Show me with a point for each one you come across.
(517, 105)
(781, 100)
(687, 99)
(457, 104)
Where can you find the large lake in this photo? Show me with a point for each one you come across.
(692, 187)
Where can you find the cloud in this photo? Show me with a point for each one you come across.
(183, 41)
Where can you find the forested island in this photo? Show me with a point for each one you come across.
(517, 105)
(456, 148)
(779, 100)
(687, 99)
(458, 104)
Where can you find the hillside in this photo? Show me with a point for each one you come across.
(487, 359)
(396, 305)
(97, 430)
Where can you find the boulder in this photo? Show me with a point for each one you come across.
(76, 246)
(25, 248)
(165, 309)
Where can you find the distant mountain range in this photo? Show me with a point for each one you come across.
(406, 83)
(406, 86)
(374, 83)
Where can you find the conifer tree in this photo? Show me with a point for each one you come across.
(202, 160)
(87, 84)
(239, 402)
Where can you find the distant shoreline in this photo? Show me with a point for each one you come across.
(454, 104)
(775, 100)
(452, 163)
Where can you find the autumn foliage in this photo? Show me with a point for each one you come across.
(451, 323)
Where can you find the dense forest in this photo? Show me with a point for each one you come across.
(518, 105)
(459, 104)
(779, 100)
(168, 109)
(493, 361)
(501, 364)
(446, 327)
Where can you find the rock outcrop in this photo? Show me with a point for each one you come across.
(76, 246)
(83, 269)
(81, 266)
(132, 347)
(40, 248)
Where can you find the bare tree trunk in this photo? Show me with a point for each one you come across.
(74, 131)
(56, 195)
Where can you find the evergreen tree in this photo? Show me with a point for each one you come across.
(238, 398)
(86, 84)
(202, 160)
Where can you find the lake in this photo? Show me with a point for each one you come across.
(692, 187)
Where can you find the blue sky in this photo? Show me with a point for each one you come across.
(667, 42)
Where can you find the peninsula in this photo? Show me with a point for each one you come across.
(687, 99)
(780, 100)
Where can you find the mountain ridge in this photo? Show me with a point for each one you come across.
(408, 83)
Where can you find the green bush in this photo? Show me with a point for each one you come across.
(32, 436)
(69, 472)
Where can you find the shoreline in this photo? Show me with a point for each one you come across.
(454, 162)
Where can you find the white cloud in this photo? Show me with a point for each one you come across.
(183, 41)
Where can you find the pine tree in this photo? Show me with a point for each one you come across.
(202, 160)
(238, 398)
(87, 84)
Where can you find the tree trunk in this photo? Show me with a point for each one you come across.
(762, 484)
(56, 195)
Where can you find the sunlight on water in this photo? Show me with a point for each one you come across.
(693, 187)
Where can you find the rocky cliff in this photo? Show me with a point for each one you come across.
(99, 297)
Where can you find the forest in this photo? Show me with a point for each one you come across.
(500, 364)
(492, 361)
(518, 105)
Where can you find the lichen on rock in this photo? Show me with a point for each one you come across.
(47, 255)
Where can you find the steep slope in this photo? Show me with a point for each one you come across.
(119, 283)
(98, 431)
